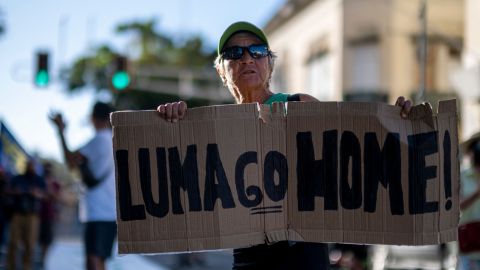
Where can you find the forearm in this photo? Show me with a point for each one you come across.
(67, 154)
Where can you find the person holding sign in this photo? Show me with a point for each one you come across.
(96, 165)
(245, 64)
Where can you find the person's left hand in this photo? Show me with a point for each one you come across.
(57, 119)
(405, 104)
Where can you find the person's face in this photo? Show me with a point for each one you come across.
(247, 72)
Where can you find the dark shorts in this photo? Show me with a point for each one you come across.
(99, 238)
(282, 255)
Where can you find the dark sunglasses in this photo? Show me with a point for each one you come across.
(256, 51)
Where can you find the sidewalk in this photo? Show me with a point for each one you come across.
(67, 253)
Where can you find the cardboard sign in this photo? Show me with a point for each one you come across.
(240, 175)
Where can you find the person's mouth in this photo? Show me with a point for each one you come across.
(248, 72)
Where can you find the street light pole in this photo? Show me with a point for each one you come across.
(422, 46)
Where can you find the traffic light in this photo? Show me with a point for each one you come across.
(42, 76)
(120, 78)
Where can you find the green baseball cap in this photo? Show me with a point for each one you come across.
(240, 27)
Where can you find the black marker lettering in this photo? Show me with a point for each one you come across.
(275, 161)
(128, 211)
(214, 191)
(159, 209)
(242, 162)
(420, 146)
(350, 197)
(186, 177)
(317, 177)
(383, 166)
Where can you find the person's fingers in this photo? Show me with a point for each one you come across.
(182, 109)
(400, 101)
(406, 108)
(161, 109)
(174, 112)
(168, 112)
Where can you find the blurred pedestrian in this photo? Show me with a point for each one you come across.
(96, 164)
(48, 210)
(470, 206)
(245, 64)
(27, 190)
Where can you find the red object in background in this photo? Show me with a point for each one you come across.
(469, 237)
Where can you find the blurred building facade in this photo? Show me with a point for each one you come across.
(466, 79)
(366, 50)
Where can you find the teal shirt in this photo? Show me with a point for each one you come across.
(278, 97)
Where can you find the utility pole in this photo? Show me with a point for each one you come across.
(422, 47)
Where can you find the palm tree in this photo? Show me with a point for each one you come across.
(155, 49)
(91, 70)
(152, 44)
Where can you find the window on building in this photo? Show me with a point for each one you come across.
(442, 58)
(278, 82)
(365, 67)
(320, 76)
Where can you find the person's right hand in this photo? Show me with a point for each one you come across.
(57, 119)
(172, 112)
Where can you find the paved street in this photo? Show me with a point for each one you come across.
(67, 253)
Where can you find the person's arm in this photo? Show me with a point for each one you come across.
(172, 112)
(71, 158)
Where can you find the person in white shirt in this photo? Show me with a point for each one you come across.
(95, 161)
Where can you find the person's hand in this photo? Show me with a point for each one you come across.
(172, 112)
(57, 119)
(406, 106)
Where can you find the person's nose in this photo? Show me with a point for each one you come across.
(246, 57)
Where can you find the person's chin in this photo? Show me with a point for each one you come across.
(250, 82)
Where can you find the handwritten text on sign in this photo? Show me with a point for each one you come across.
(315, 177)
(233, 176)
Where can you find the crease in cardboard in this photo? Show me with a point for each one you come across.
(272, 237)
(264, 113)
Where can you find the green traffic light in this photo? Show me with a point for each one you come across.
(41, 79)
(120, 80)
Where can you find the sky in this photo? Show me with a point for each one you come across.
(68, 29)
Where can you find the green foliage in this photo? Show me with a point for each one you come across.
(91, 70)
(155, 49)
(152, 44)
(191, 54)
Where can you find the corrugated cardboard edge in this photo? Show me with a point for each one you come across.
(448, 108)
(423, 111)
